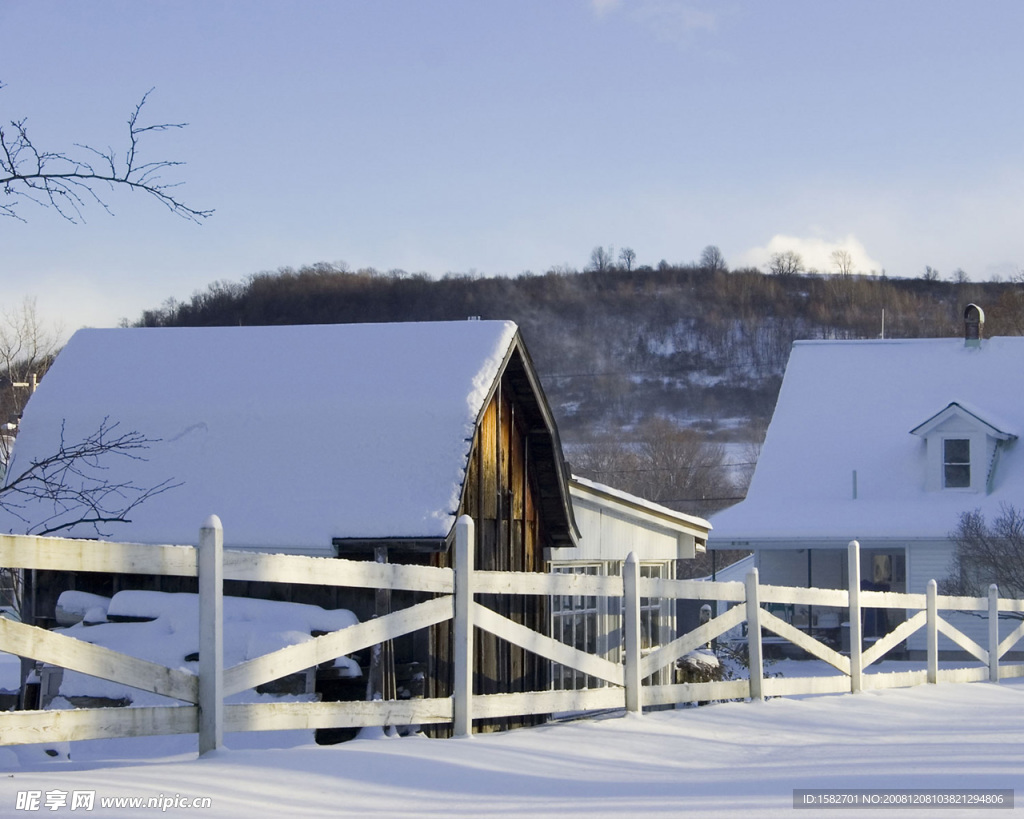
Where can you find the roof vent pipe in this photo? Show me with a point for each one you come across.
(974, 324)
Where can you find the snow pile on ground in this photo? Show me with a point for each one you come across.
(724, 760)
(700, 665)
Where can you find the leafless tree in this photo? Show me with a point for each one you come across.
(842, 260)
(27, 348)
(627, 257)
(786, 263)
(988, 553)
(930, 274)
(711, 259)
(67, 180)
(601, 259)
(609, 461)
(690, 470)
(1008, 312)
(662, 462)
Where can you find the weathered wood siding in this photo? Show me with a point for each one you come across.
(501, 495)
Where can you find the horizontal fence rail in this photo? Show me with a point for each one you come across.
(203, 711)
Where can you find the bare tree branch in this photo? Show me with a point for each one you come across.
(786, 263)
(662, 462)
(842, 260)
(988, 553)
(67, 183)
(27, 348)
(72, 483)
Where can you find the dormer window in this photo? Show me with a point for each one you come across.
(962, 449)
(956, 463)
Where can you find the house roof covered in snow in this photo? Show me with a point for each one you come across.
(638, 505)
(614, 523)
(292, 435)
(855, 447)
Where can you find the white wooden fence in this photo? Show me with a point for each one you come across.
(203, 710)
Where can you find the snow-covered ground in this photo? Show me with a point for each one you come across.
(729, 759)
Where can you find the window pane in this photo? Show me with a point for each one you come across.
(956, 462)
(958, 475)
(957, 450)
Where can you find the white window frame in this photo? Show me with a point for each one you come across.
(592, 623)
(957, 465)
(584, 622)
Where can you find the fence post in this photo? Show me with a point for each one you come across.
(993, 633)
(462, 687)
(211, 635)
(856, 635)
(755, 657)
(631, 631)
(932, 634)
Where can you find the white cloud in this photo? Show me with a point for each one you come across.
(603, 7)
(673, 21)
(668, 20)
(815, 252)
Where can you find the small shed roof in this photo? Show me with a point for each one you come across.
(850, 406)
(613, 523)
(641, 507)
(293, 435)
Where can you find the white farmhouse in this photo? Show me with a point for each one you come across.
(887, 442)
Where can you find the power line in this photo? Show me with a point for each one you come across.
(610, 372)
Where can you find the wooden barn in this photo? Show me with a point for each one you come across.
(359, 440)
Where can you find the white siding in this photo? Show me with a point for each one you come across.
(612, 524)
(931, 560)
(608, 535)
(927, 560)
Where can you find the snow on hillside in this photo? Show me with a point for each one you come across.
(723, 760)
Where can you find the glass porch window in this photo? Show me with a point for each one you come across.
(576, 621)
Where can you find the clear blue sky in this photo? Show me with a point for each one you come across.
(511, 135)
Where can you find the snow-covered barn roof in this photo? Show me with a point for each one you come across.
(849, 407)
(292, 435)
